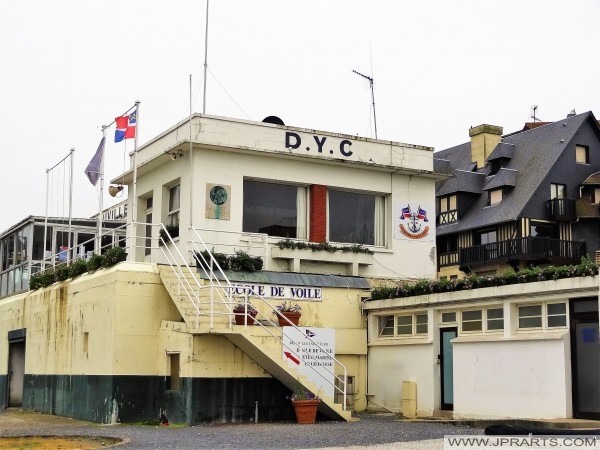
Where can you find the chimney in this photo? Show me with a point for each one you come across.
(484, 139)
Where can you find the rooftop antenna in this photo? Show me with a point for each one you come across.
(533, 112)
(372, 98)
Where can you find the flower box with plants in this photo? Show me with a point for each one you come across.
(305, 405)
(245, 314)
(286, 313)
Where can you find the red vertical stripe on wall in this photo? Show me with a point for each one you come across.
(318, 213)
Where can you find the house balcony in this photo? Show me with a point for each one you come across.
(561, 209)
(537, 250)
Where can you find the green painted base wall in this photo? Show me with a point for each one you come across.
(140, 398)
(3, 391)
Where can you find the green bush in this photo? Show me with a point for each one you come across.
(243, 262)
(113, 256)
(94, 262)
(172, 230)
(42, 279)
(527, 275)
(78, 267)
(324, 246)
(62, 272)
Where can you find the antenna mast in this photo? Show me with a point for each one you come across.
(372, 98)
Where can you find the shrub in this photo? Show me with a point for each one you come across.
(172, 230)
(221, 258)
(94, 262)
(62, 272)
(243, 262)
(78, 267)
(527, 275)
(113, 256)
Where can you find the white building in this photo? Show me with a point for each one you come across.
(248, 185)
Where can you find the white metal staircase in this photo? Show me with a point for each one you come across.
(204, 298)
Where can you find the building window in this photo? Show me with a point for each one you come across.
(472, 320)
(582, 154)
(495, 319)
(558, 191)
(494, 197)
(356, 218)
(597, 195)
(549, 315)
(447, 208)
(174, 203)
(274, 209)
(447, 203)
(530, 316)
(543, 229)
(405, 325)
(556, 315)
(449, 317)
(148, 219)
(488, 236)
(386, 326)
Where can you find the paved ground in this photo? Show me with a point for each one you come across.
(371, 431)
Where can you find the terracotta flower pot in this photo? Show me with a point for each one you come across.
(240, 317)
(306, 410)
(293, 317)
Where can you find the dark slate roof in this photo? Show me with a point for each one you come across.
(297, 279)
(537, 148)
(463, 181)
(504, 177)
(502, 150)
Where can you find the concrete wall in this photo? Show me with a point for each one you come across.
(519, 378)
(99, 348)
(390, 365)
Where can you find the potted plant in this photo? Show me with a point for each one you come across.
(245, 313)
(305, 405)
(287, 313)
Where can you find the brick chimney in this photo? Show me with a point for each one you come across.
(484, 139)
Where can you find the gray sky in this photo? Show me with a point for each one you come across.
(440, 66)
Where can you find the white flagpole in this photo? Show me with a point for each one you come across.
(191, 159)
(101, 201)
(134, 199)
(72, 154)
(46, 220)
(205, 61)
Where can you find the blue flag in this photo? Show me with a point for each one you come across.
(93, 168)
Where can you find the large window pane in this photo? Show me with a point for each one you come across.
(270, 208)
(351, 217)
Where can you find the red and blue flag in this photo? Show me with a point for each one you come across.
(126, 125)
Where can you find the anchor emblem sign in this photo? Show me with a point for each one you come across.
(414, 223)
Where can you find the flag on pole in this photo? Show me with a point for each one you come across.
(125, 128)
(93, 168)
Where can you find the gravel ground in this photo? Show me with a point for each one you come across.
(374, 431)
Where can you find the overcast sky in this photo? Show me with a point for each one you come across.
(440, 66)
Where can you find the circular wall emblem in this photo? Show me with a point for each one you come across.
(218, 195)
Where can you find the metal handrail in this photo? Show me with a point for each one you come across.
(196, 246)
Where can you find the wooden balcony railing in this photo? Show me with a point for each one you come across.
(530, 248)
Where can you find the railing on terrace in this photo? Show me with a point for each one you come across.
(221, 292)
(523, 249)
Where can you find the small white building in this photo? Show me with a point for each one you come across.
(528, 350)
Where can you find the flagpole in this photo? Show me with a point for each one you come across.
(69, 257)
(205, 61)
(134, 199)
(101, 201)
(191, 158)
